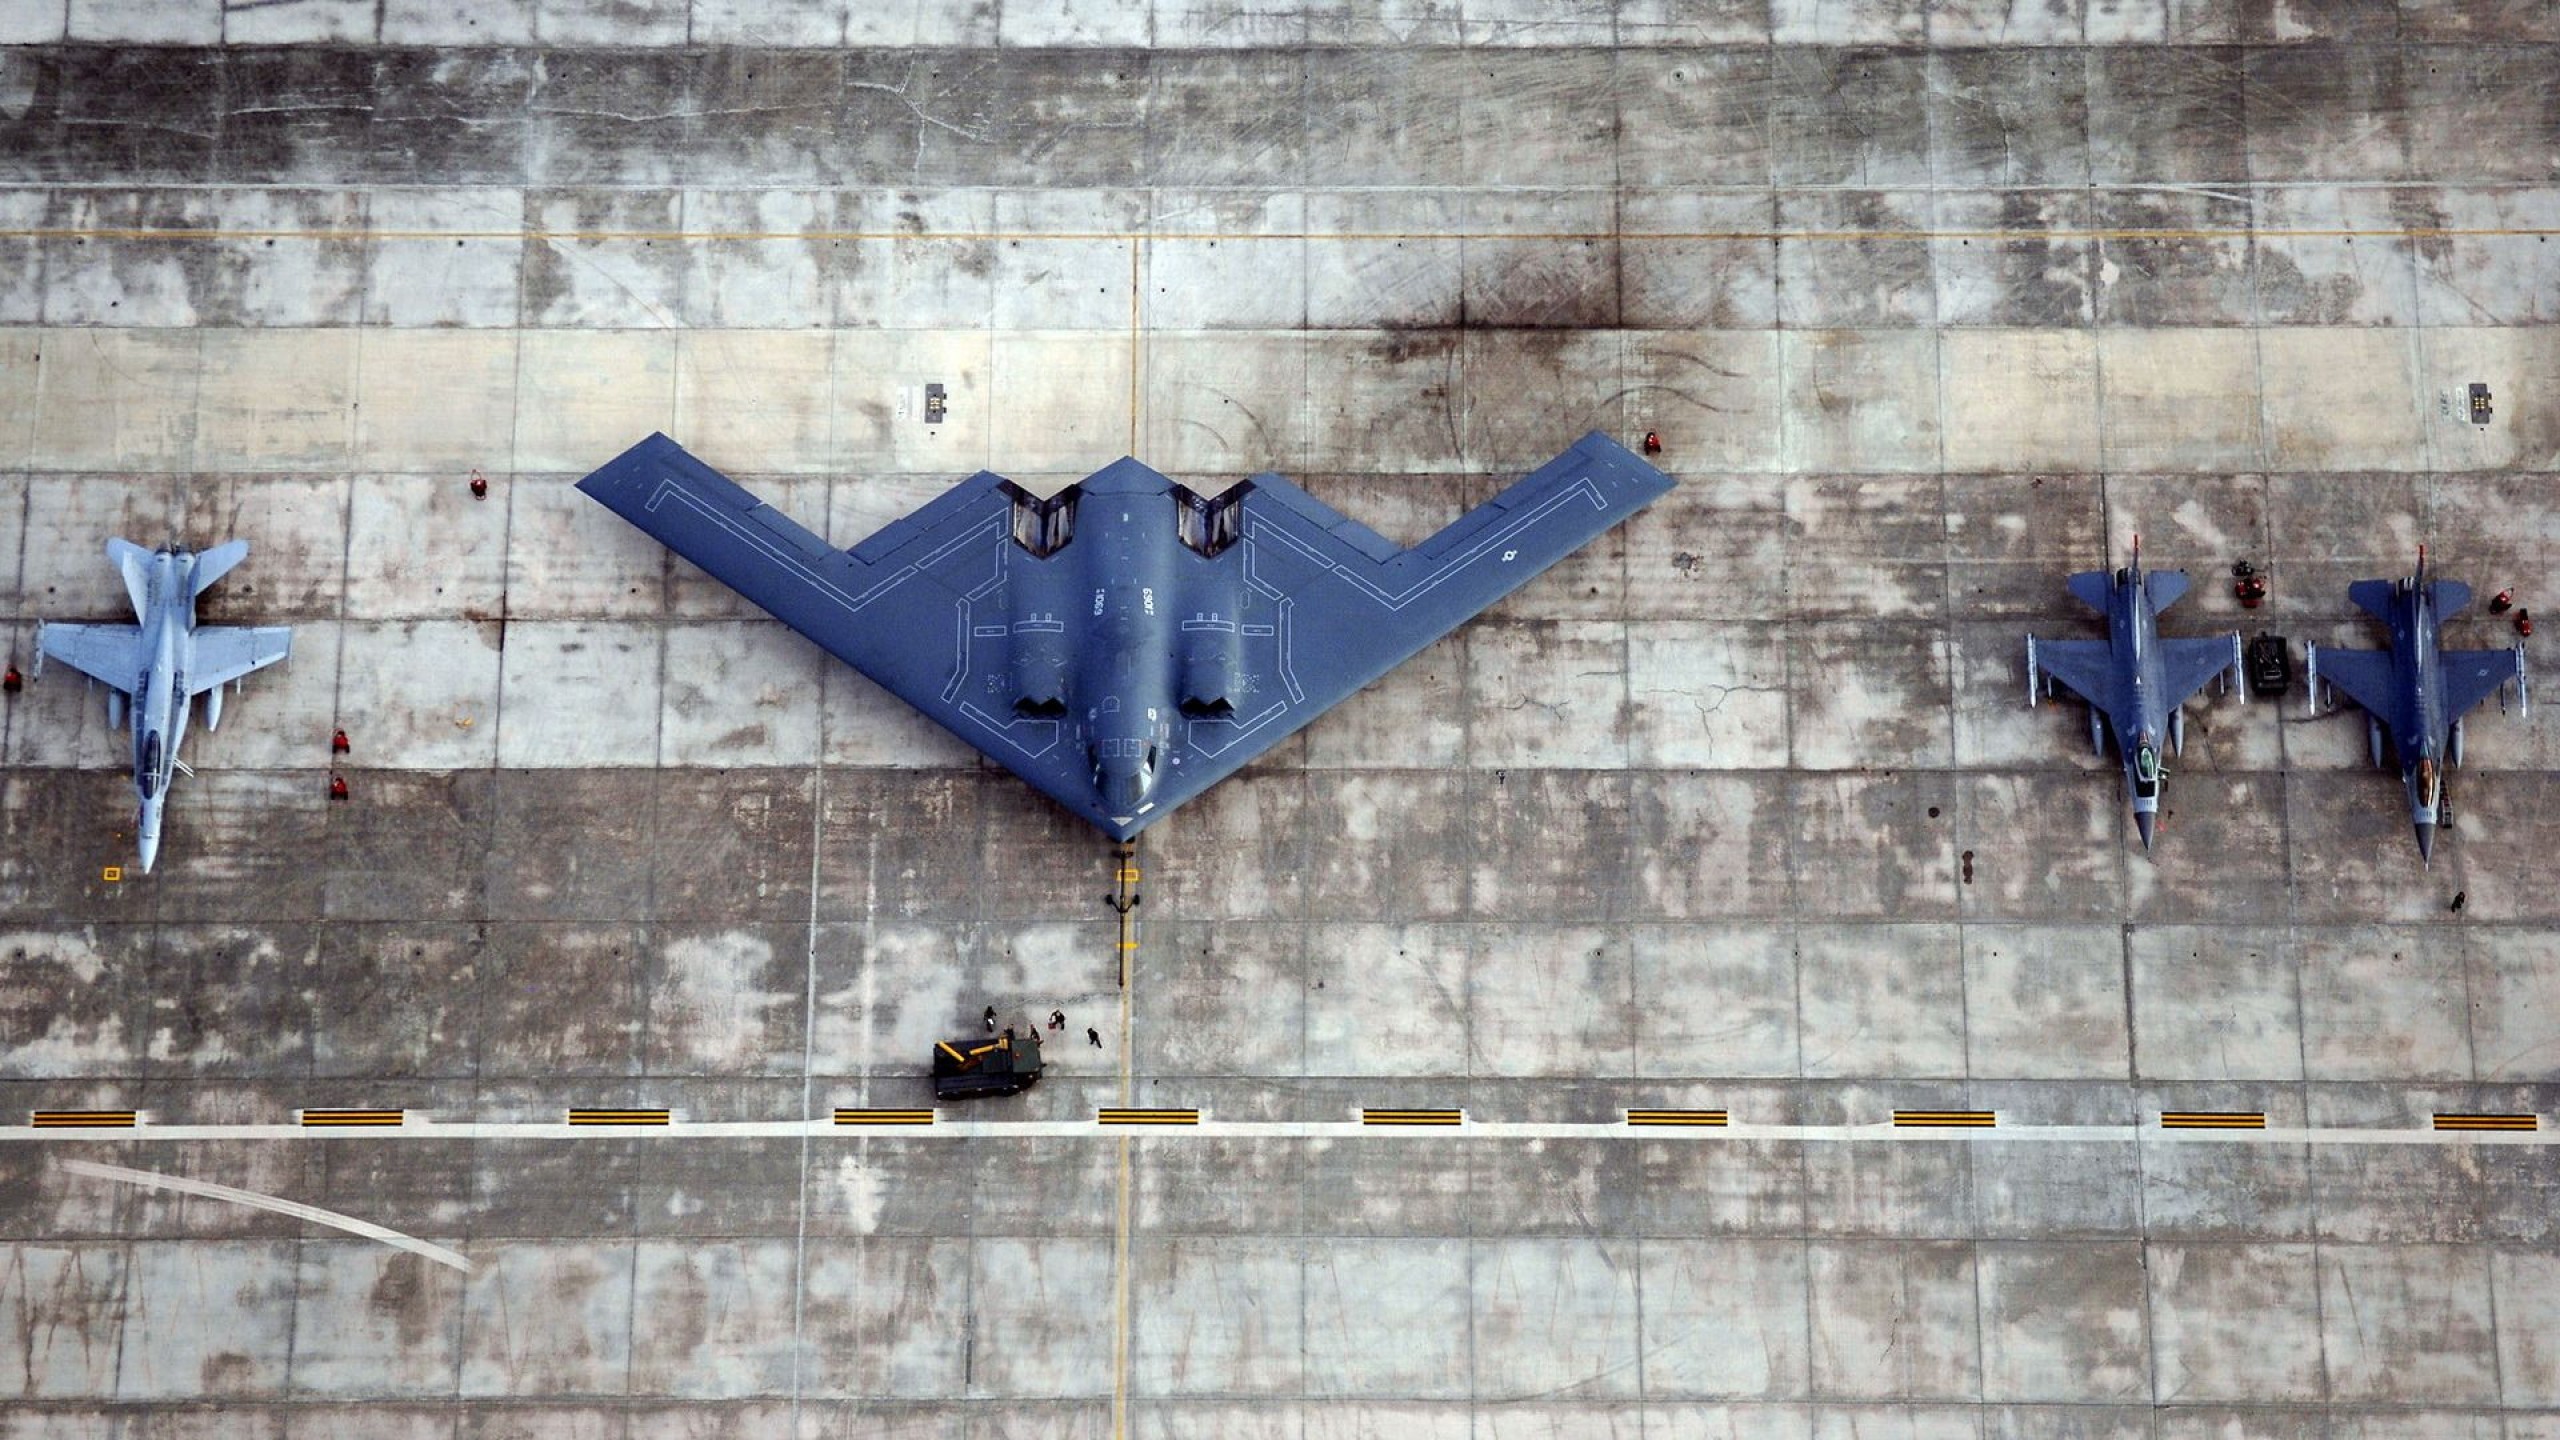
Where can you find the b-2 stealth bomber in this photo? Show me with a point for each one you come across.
(1126, 643)
(2136, 681)
(155, 669)
(2416, 693)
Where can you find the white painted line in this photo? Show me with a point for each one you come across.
(150, 1180)
(423, 1128)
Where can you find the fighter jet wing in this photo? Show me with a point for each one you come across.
(2187, 666)
(2471, 676)
(2079, 666)
(895, 607)
(112, 653)
(2365, 677)
(226, 654)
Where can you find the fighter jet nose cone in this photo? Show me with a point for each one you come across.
(150, 851)
(2144, 821)
(2426, 840)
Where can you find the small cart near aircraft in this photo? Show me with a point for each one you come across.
(1007, 1064)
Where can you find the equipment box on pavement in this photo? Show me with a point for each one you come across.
(1005, 1065)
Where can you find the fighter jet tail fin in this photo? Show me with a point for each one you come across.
(2450, 597)
(2167, 587)
(2094, 588)
(2375, 596)
(133, 563)
(213, 564)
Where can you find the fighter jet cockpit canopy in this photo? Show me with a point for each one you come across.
(2146, 771)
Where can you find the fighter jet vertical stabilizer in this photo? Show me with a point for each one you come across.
(157, 666)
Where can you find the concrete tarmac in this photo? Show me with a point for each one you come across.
(1821, 1056)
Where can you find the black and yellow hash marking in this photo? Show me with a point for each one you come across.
(2488, 1122)
(1934, 1119)
(883, 1117)
(619, 1117)
(2213, 1120)
(1109, 1116)
(1411, 1117)
(84, 1119)
(1675, 1117)
(318, 1118)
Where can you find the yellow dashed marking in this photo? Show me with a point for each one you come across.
(883, 1117)
(1675, 1117)
(619, 1117)
(2212, 1120)
(1411, 1117)
(1973, 1119)
(84, 1119)
(353, 1117)
(2488, 1122)
(1146, 1117)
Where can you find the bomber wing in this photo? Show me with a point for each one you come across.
(1351, 605)
(895, 607)
(1358, 605)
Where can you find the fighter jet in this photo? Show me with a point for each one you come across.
(2136, 682)
(157, 668)
(1127, 642)
(2417, 691)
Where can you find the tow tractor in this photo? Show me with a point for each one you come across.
(1006, 1065)
(2270, 667)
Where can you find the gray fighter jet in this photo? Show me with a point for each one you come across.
(1125, 643)
(2417, 691)
(2136, 682)
(157, 668)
